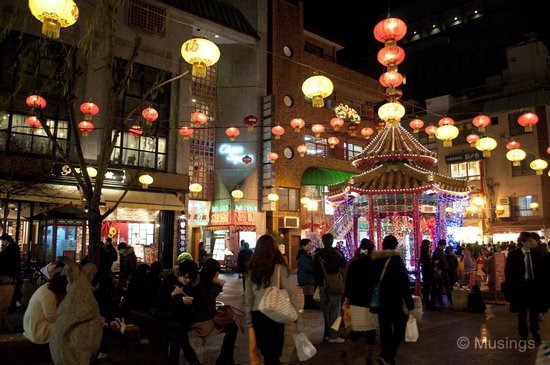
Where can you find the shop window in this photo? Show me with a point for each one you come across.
(25, 139)
(149, 149)
(288, 199)
(469, 170)
(316, 146)
(218, 253)
(351, 150)
(141, 233)
(521, 205)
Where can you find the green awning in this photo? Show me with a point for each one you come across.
(324, 177)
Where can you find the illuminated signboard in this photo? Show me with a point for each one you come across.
(64, 170)
(239, 217)
(233, 153)
(198, 212)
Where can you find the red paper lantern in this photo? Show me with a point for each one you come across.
(89, 109)
(391, 56)
(297, 124)
(430, 131)
(336, 123)
(247, 160)
(333, 141)
(416, 124)
(481, 121)
(232, 133)
(367, 132)
(391, 79)
(135, 131)
(528, 120)
(472, 139)
(199, 118)
(317, 129)
(352, 129)
(446, 121)
(272, 156)
(512, 145)
(390, 28)
(33, 121)
(302, 150)
(548, 150)
(278, 131)
(250, 121)
(86, 127)
(36, 101)
(149, 114)
(186, 132)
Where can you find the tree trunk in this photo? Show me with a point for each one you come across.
(94, 235)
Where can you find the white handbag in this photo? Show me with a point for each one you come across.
(411, 332)
(362, 319)
(275, 303)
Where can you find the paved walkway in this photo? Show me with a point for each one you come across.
(446, 337)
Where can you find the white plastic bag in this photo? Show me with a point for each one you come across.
(411, 333)
(304, 347)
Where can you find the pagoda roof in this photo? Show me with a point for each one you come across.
(398, 178)
(394, 143)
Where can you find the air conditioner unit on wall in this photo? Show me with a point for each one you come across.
(504, 201)
(290, 222)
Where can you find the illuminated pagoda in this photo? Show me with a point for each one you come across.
(397, 190)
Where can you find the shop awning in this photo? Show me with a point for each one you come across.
(324, 177)
(61, 194)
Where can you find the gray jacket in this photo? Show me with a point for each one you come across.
(253, 294)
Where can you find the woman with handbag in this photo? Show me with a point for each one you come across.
(209, 287)
(264, 265)
(394, 290)
(357, 294)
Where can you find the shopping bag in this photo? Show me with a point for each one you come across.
(275, 303)
(336, 325)
(254, 355)
(347, 315)
(304, 348)
(411, 332)
(543, 354)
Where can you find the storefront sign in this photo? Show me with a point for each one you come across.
(244, 217)
(182, 234)
(198, 212)
(64, 170)
(463, 157)
(239, 217)
(233, 153)
(220, 218)
(500, 262)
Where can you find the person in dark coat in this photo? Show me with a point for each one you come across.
(177, 310)
(441, 272)
(128, 262)
(306, 280)
(395, 293)
(360, 283)
(10, 268)
(452, 270)
(330, 303)
(475, 301)
(524, 276)
(243, 257)
(107, 255)
(428, 292)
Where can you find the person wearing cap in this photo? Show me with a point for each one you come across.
(306, 280)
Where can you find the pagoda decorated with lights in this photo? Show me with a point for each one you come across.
(396, 191)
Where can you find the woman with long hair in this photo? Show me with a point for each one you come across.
(427, 275)
(262, 269)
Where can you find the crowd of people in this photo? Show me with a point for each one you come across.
(184, 300)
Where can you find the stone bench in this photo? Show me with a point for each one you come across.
(16, 349)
